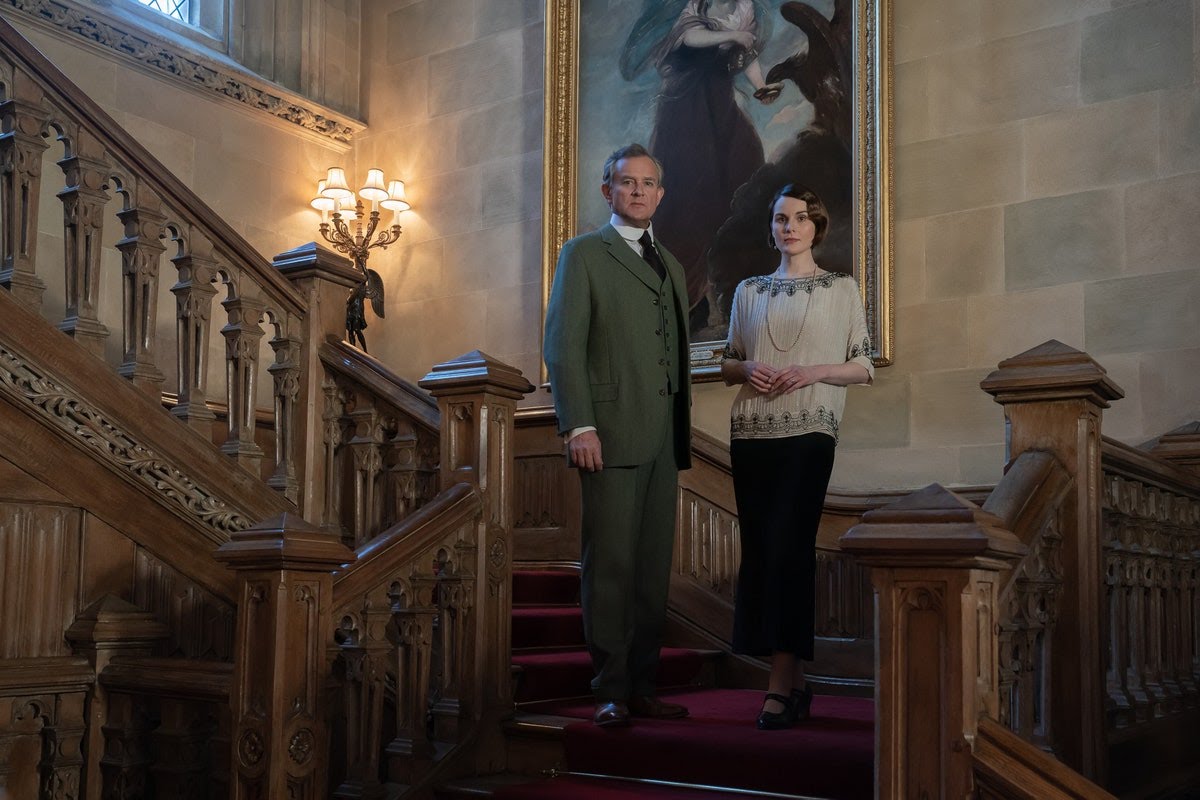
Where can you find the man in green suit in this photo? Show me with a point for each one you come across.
(617, 352)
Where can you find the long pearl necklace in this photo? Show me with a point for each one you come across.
(803, 318)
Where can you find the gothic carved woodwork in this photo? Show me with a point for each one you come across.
(934, 561)
(37, 602)
(42, 703)
(285, 373)
(21, 147)
(140, 253)
(360, 668)
(1151, 537)
(194, 292)
(84, 201)
(242, 337)
(1053, 398)
(377, 455)
(1029, 605)
(279, 721)
(366, 451)
(201, 626)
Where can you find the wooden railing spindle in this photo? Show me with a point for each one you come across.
(21, 146)
(194, 293)
(141, 250)
(285, 372)
(84, 200)
(243, 335)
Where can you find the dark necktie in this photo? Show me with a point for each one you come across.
(651, 255)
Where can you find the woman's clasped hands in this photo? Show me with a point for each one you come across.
(768, 380)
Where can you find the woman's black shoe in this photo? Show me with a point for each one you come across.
(801, 704)
(777, 720)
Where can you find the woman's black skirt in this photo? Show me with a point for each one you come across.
(780, 488)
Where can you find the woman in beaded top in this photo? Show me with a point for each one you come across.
(797, 338)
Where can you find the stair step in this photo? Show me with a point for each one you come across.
(545, 587)
(568, 673)
(545, 627)
(587, 787)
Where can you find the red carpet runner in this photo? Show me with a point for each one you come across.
(830, 756)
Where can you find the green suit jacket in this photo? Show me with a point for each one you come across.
(605, 348)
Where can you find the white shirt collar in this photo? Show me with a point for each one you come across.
(631, 234)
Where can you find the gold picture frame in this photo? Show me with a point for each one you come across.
(872, 165)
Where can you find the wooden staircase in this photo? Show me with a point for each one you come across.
(353, 635)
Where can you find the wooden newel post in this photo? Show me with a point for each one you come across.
(325, 279)
(477, 397)
(285, 587)
(935, 560)
(1053, 398)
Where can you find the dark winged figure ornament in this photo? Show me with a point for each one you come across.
(356, 318)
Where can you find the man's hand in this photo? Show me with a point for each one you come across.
(584, 452)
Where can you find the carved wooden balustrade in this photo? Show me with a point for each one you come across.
(111, 182)
(381, 438)
(1151, 549)
(405, 649)
(1095, 611)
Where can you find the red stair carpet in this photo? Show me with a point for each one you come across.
(830, 756)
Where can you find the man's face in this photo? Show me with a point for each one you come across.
(635, 191)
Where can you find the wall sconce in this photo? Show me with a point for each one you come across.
(339, 208)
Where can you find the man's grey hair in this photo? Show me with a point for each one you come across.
(629, 151)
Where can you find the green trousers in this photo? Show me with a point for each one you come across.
(627, 537)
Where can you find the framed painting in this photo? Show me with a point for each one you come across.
(736, 98)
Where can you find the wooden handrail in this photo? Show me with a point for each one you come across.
(1009, 768)
(1130, 462)
(400, 544)
(369, 371)
(1030, 492)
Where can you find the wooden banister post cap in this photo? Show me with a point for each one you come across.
(932, 527)
(1181, 446)
(314, 261)
(286, 541)
(1051, 371)
(474, 372)
(113, 620)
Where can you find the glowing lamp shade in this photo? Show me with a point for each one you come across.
(373, 189)
(346, 207)
(335, 184)
(395, 197)
(321, 202)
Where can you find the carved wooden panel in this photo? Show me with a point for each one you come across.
(201, 625)
(39, 577)
(1151, 537)
(845, 604)
(708, 549)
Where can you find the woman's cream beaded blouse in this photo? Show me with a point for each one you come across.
(816, 320)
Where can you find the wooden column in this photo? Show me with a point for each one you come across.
(935, 560)
(1053, 398)
(325, 279)
(243, 334)
(108, 628)
(21, 148)
(285, 373)
(477, 397)
(141, 250)
(280, 740)
(84, 200)
(194, 295)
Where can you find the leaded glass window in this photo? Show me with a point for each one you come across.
(176, 9)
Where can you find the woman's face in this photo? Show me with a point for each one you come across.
(791, 227)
